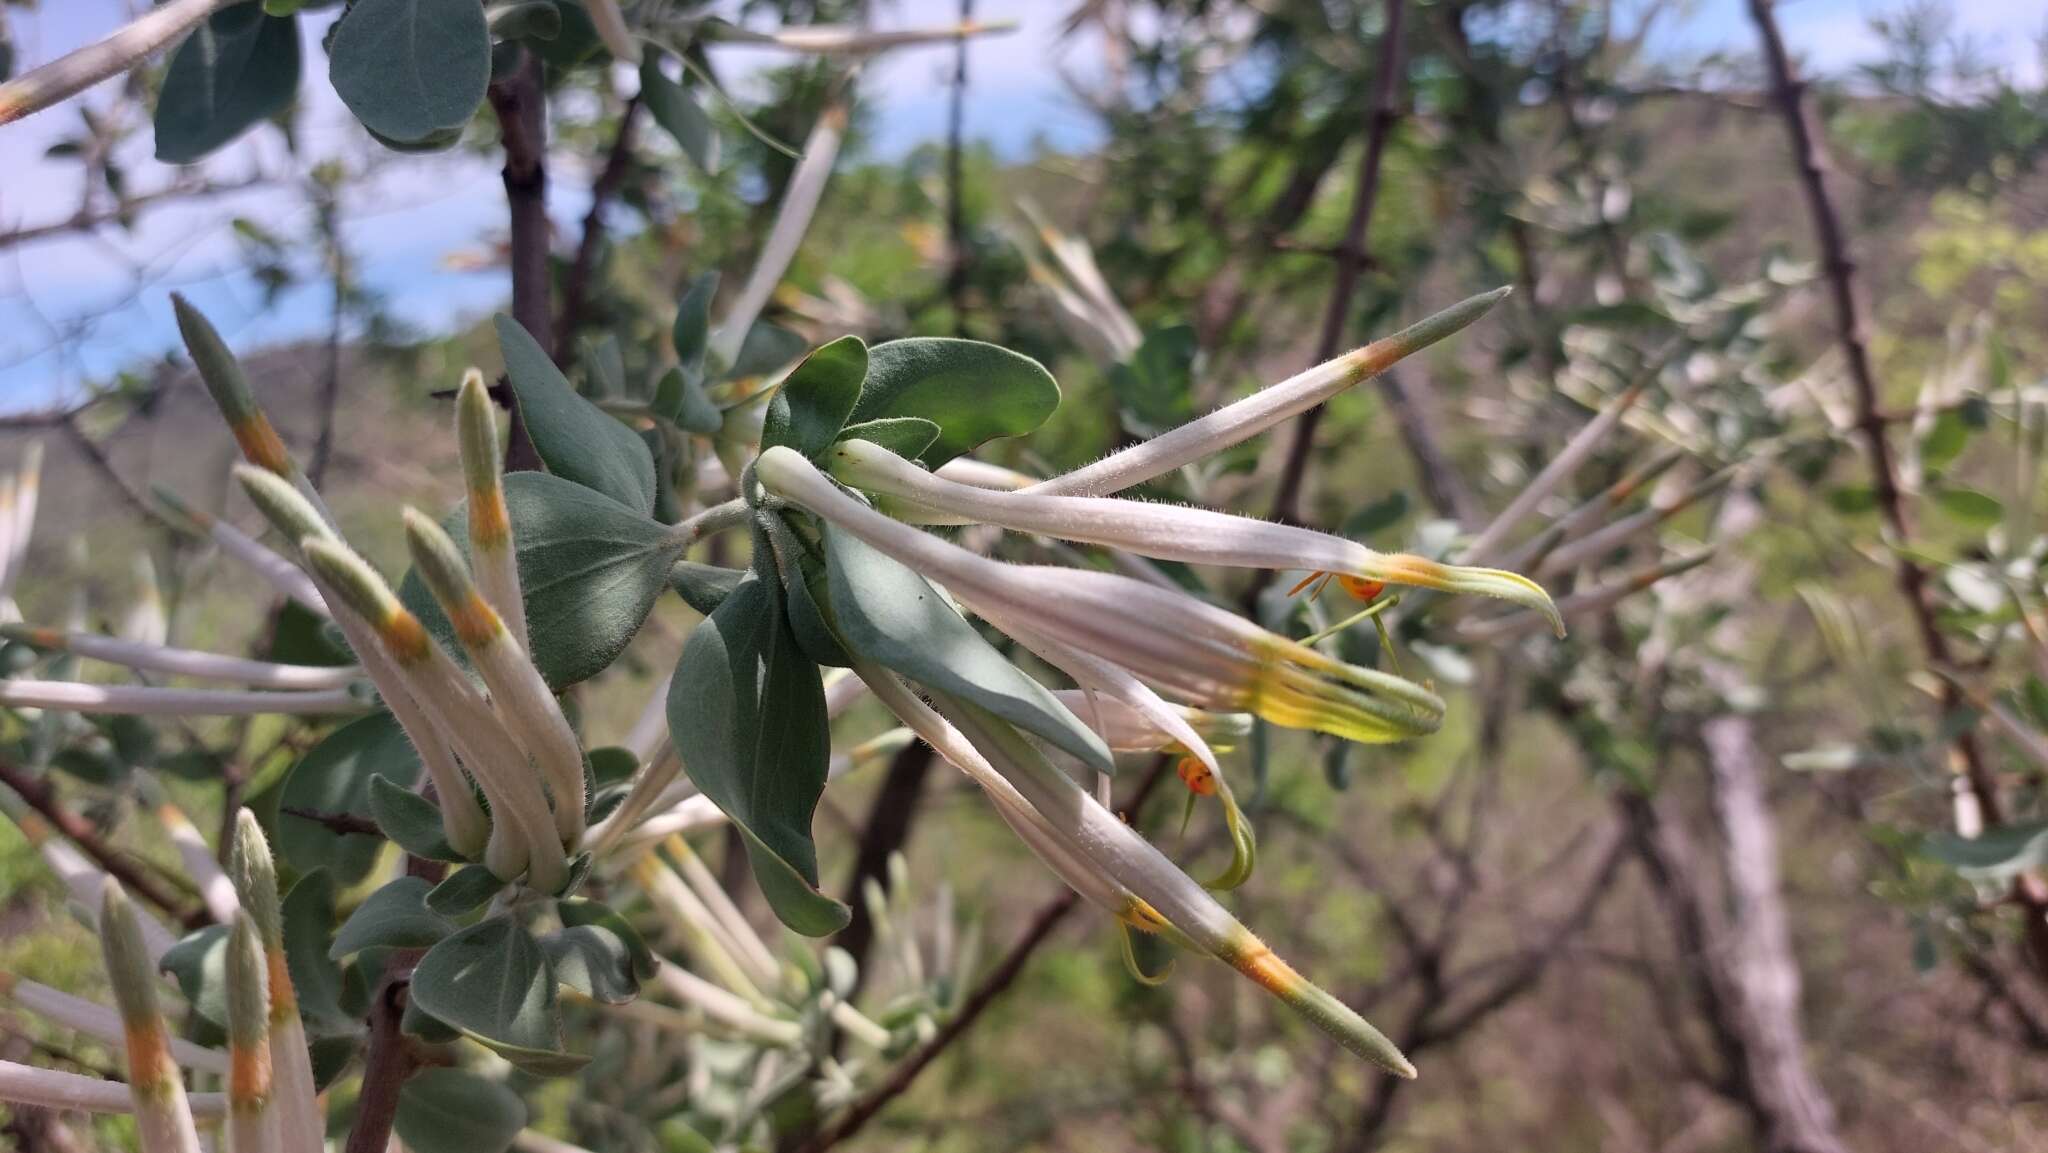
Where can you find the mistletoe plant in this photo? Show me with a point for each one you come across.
(533, 864)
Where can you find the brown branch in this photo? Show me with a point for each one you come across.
(992, 986)
(87, 220)
(330, 386)
(1379, 127)
(1839, 267)
(43, 799)
(618, 161)
(390, 1060)
(520, 105)
(341, 823)
(97, 457)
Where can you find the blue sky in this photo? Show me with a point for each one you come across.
(412, 216)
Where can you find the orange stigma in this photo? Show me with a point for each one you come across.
(1196, 775)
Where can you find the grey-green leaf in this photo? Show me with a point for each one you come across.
(455, 1111)
(813, 403)
(973, 391)
(409, 819)
(335, 778)
(492, 981)
(412, 69)
(465, 890)
(396, 916)
(906, 436)
(704, 586)
(308, 917)
(590, 569)
(751, 709)
(891, 616)
(237, 69)
(679, 114)
(594, 961)
(1996, 856)
(574, 437)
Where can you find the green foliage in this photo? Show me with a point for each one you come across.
(412, 70)
(394, 917)
(493, 982)
(750, 707)
(239, 68)
(335, 777)
(590, 571)
(574, 437)
(409, 820)
(974, 392)
(891, 616)
(813, 404)
(455, 1111)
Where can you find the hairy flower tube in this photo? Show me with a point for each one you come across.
(1189, 649)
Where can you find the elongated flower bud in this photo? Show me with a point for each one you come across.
(252, 1112)
(280, 573)
(162, 1117)
(522, 832)
(491, 548)
(1167, 532)
(285, 507)
(229, 387)
(96, 1020)
(299, 1124)
(521, 698)
(1244, 419)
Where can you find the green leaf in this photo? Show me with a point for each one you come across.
(491, 981)
(681, 401)
(1153, 388)
(594, 961)
(704, 586)
(308, 916)
(199, 963)
(692, 329)
(1969, 507)
(906, 436)
(590, 571)
(409, 819)
(1945, 441)
(973, 391)
(239, 68)
(611, 765)
(1384, 513)
(891, 616)
(453, 1111)
(576, 43)
(583, 911)
(751, 711)
(525, 20)
(1852, 499)
(1997, 855)
(677, 112)
(411, 69)
(574, 437)
(767, 348)
(464, 891)
(812, 405)
(335, 778)
(395, 916)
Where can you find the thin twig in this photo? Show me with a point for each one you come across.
(576, 284)
(1839, 267)
(79, 831)
(1385, 113)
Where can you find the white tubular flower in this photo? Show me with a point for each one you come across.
(1164, 531)
(1126, 730)
(252, 1106)
(56, 1089)
(1192, 650)
(1244, 419)
(281, 574)
(184, 662)
(491, 547)
(96, 1020)
(150, 701)
(1115, 853)
(518, 694)
(291, 514)
(523, 837)
(216, 891)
